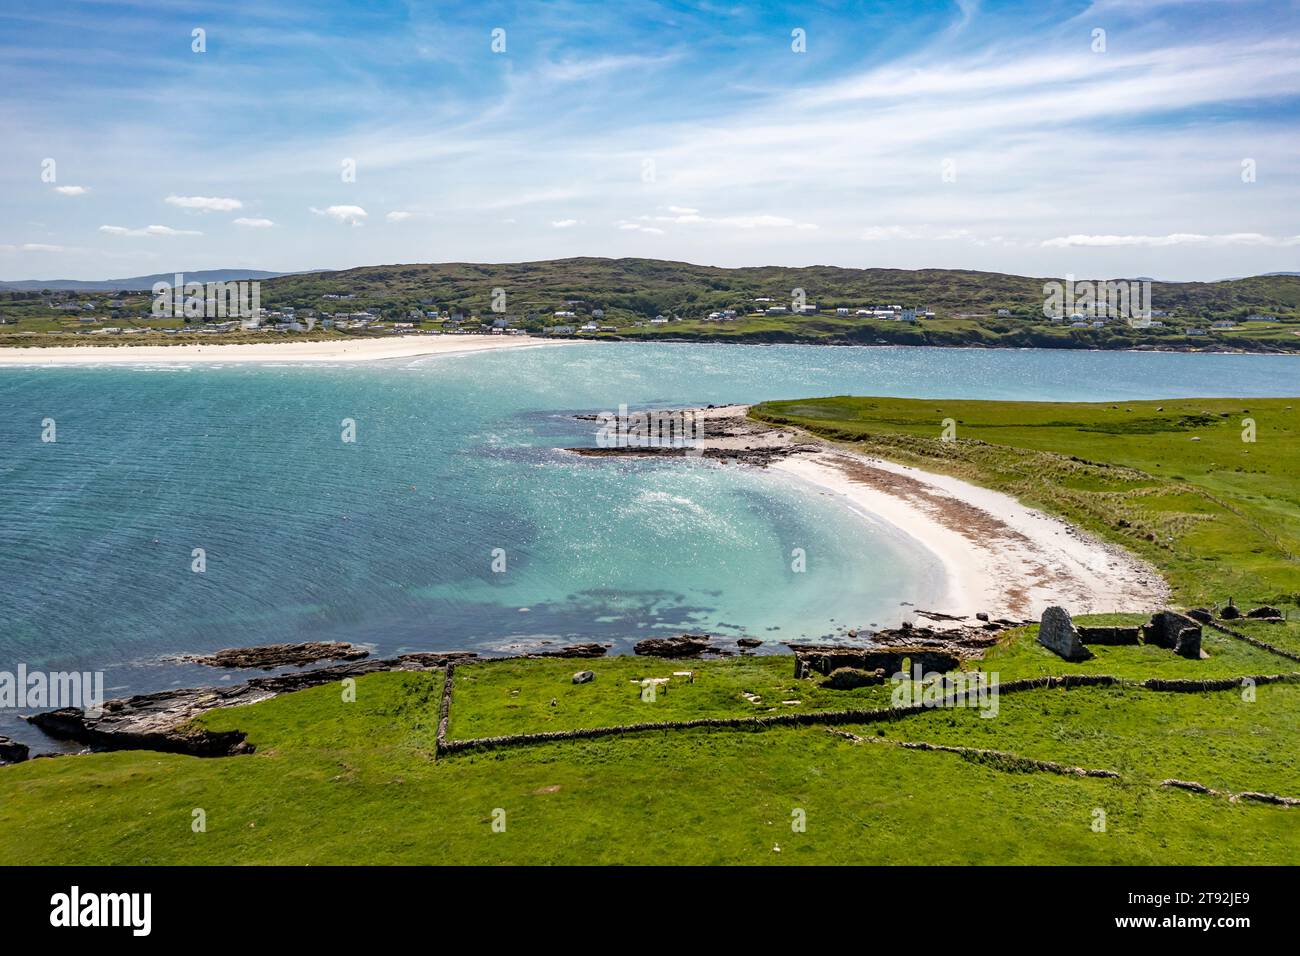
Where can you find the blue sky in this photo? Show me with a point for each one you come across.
(994, 136)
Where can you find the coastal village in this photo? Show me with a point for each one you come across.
(83, 315)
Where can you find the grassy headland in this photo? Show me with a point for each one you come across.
(1172, 480)
(334, 781)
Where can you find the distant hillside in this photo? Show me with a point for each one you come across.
(650, 299)
(134, 282)
(646, 287)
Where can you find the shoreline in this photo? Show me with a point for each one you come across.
(971, 346)
(346, 350)
(1000, 557)
(414, 346)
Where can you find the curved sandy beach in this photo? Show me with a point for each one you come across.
(341, 350)
(999, 556)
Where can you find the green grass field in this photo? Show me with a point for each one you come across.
(1171, 480)
(348, 783)
(334, 781)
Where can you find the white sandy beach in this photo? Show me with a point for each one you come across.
(999, 556)
(343, 350)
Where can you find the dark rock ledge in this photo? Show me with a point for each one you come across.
(160, 721)
(11, 751)
(268, 656)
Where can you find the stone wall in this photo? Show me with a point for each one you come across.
(1109, 636)
(1058, 634)
(1174, 631)
(825, 658)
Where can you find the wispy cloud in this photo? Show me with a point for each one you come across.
(1174, 239)
(204, 203)
(148, 231)
(34, 247)
(695, 124)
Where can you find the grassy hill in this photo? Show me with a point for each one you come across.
(646, 287)
(630, 292)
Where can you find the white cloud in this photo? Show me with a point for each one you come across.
(1173, 239)
(584, 68)
(254, 223)
(683, 216)
(563, 223)
(148, 231)
(35, 247)
(352, 215)
(397, 215)
(205, 203)
(72, 190)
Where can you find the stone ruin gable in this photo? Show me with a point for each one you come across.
(1175, 632)
(1057, 633)
(1109, 636)
(825, 658)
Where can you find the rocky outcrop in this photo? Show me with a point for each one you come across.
(962, 641)
(577, 650)
(161, 721)
(1230, 611)
(1058, 634)
(748, 643)
(1264, 612)
(584, 677)
(11, 751)
(749, 456)
(151, 722)
(684, 645)
(268, 656)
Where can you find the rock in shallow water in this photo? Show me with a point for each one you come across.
(684, 645)
(267, 656)
(11, 751)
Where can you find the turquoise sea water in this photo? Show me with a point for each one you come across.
(390, 539)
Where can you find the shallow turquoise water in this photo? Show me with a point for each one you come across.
(390, 539)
